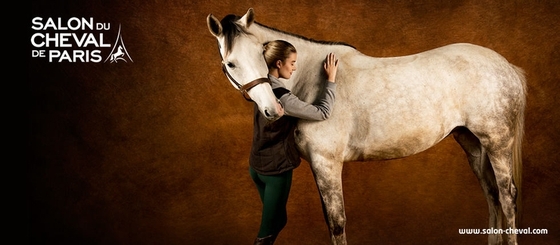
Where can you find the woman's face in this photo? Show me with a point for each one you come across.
(287, 67)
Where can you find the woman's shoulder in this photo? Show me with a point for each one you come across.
(275, 82)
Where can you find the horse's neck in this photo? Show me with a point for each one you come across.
(308, 80)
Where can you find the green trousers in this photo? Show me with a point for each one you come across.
(274, 191)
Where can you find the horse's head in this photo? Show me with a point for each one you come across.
(243, 62)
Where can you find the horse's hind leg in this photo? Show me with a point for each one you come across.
(502, 161)
(480, 164)
(328, 176)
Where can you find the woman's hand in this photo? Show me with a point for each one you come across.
(331, 66)
(280, 108)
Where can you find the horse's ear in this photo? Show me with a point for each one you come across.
(214, 25)
(248, 18)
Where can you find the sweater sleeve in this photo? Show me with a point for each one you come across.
(321, 110)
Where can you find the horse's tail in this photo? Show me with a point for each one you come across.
(518, 141)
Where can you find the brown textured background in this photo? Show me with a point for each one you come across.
(155, 151)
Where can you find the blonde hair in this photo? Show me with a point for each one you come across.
(277, 50)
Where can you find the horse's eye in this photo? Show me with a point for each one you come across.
(230, 65)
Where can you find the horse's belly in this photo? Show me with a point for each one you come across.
(394, 147)
(346, 138)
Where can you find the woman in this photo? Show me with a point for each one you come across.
(274, 154)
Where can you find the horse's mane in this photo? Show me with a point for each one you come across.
(306, 38)
(231, 30)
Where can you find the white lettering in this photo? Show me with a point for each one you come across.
(74, 23)
(37, 24)
(34, 43)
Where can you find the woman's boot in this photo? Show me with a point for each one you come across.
(267, 240)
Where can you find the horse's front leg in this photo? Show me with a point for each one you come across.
(328, 176)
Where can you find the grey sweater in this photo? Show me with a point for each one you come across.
(295, 107)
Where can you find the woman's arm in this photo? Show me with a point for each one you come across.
(295, 107)
(321, 110)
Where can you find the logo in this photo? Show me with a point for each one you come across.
(119, 52)
(76, 40)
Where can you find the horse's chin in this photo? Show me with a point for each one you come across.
(273, 114)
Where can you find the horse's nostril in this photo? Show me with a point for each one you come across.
(266, 113)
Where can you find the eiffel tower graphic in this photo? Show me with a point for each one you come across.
(119, 52)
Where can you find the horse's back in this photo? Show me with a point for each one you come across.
(455, 79)
(458, 55)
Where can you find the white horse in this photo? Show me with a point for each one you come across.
(117, 55)
(390, 108)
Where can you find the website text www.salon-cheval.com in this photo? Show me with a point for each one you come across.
(508, 231)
